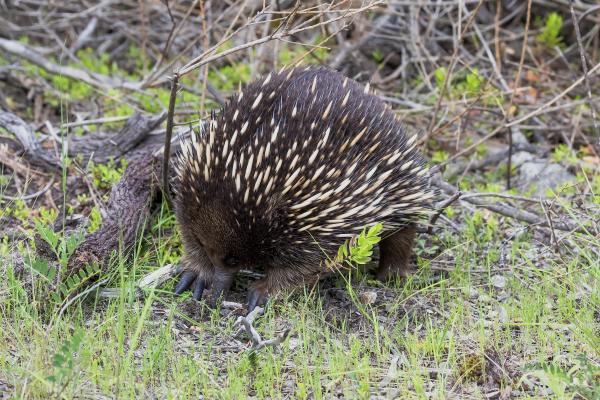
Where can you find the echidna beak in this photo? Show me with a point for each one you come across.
(222, 281)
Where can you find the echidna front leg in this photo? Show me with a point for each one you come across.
(197, 273)
(395, 252)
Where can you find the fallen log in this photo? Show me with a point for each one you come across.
(128, 211)
(131, 140)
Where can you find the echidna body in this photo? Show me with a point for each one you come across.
(290, 168)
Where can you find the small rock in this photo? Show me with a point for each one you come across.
(520, 157)
(502, 315)
(519, 138)
(543, 175)
(498, 281)
(368, 297)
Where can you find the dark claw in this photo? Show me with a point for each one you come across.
(256, 298)
(187, 278)
(215, 296)
(220, 285)
(199, 289)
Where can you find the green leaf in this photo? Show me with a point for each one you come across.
(47, 234)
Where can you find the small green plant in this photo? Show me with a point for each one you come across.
(378, 56)
(423, 247)
(562, 153)
(481, 150)
(550, 37)
(354, 252)
(228, 78)
(63, 248)
(359, 249)
(64, 361)
(46, 216)
(95, 220)
(582, 380)
(107, 175)
(440, 77)
(19, 210)
(470, 84)
(439, 156)
(473, 83)
(42, 268)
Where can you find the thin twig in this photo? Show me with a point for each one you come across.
(168, 135)
(512, 97)
(585, 73)
(453, 60)
(99, 81)
(440, 209)
(556, 98)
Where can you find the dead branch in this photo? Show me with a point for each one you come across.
(584, 66)
(257, 341)
(505, 209)
(33, 150)
(102, 146)
(99, 81)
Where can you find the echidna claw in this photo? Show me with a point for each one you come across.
(187, 278)
(199, 289)
(179, 269)
(256, 298)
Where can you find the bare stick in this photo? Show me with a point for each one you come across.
(203, 59)
(25, 135)
(440, 209)
(438, 104)
(168, 135)
(507, 210)
(556, 98)
(91, 78)
(257, 342)
(512, 97)
(585, 73)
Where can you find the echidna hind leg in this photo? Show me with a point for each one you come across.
(394, 254)
(258, 295)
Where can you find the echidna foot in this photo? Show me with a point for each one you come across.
(257, 295)
(190, 281)
(185, 282)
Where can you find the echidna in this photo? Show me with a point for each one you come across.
(290, 168)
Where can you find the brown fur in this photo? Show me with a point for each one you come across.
(394, 254)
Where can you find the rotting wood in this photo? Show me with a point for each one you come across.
(24, 134)
(130, 141)
(102, 146)
(128, 211)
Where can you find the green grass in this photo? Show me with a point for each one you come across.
(446, 329)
